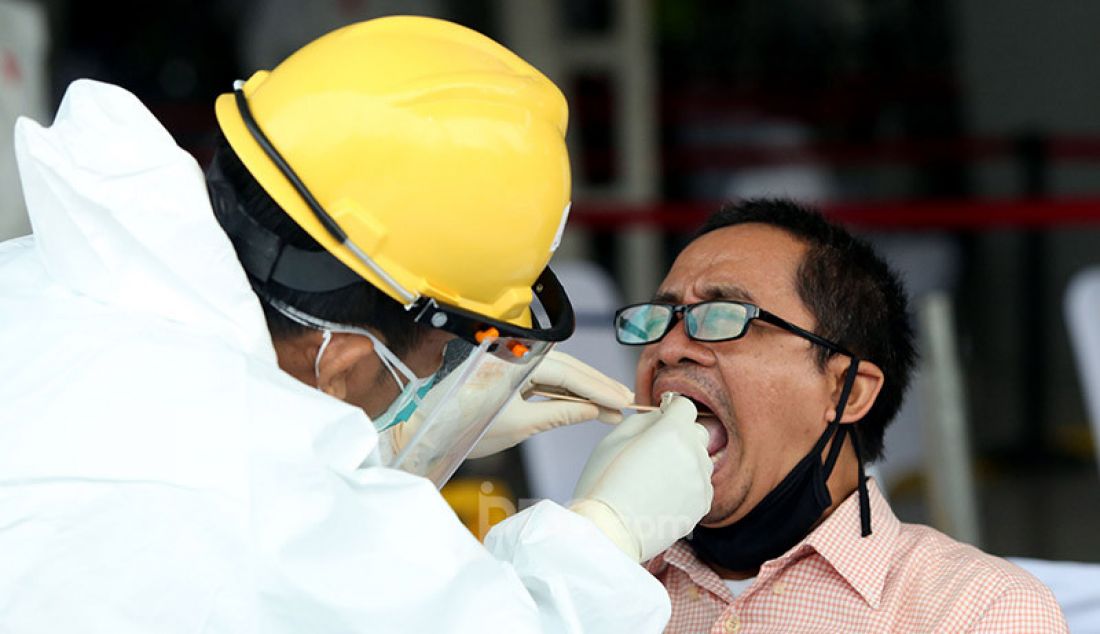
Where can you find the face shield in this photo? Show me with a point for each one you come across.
(471, 388)
(436, 420)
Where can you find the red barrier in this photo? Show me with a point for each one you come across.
(847, 154)
(954, 215)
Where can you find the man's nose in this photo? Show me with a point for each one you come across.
(677, 348)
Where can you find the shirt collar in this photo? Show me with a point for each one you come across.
(863, 561)
(681, 556)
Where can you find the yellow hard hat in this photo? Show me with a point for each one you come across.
(424, 156)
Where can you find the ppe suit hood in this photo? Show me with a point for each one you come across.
(120, 214)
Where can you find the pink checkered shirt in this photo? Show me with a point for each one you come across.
(902, 578)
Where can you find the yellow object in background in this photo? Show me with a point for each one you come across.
(479, 503)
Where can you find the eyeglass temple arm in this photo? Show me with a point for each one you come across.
(776, 320)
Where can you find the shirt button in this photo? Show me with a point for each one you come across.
(779, 587)
(732, 624)
(693, 593)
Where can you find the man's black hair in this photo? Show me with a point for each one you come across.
(360, 304)
(854, 296)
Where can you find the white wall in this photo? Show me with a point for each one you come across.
(22, 92)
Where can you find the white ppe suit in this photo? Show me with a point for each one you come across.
(160, 473)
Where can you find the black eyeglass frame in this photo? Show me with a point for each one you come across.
(752, 311)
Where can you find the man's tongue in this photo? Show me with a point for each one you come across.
(718, 437)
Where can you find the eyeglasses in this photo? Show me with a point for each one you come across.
(719, 320)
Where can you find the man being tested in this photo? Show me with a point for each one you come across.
(189, 364)
(795, 335)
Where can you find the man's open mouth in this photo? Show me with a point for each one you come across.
(709, 417)
(719, 437)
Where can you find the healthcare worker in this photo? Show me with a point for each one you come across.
(226, 402)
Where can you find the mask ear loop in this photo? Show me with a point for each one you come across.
(326, 338)
(849, 428)
(390, 361)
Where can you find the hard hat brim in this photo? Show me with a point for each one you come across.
(472, 327)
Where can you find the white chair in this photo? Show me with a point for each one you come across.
(952, 496)
(1077, 586)
(554, 460)
(1082, 307)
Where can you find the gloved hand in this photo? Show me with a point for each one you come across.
(647, 483)
(520, 419)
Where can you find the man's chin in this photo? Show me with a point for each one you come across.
(716, 516)
(719, 515)
(724, 509)
(711, 520)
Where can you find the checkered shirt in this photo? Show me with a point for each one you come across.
(902, 578)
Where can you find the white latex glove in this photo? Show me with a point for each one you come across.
(520, 419)
(647, 483)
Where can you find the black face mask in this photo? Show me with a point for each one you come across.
(789, 511)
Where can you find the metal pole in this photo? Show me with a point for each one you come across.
(640, 249)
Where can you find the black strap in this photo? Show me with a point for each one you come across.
(266, 256)
(312, 271)
(834, 450)
(846, 391)
(864, 497)
(261, 139)
(547, 289)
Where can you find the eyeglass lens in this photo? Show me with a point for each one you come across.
(709, 321)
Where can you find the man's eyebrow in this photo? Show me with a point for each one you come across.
(730, 292)
(666, 297)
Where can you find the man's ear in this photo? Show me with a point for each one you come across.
(865, 389)
(343, 353)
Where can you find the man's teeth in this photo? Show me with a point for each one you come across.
(718, 456)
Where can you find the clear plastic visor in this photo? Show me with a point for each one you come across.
(471, 388)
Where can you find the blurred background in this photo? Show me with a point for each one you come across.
(962, 137)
